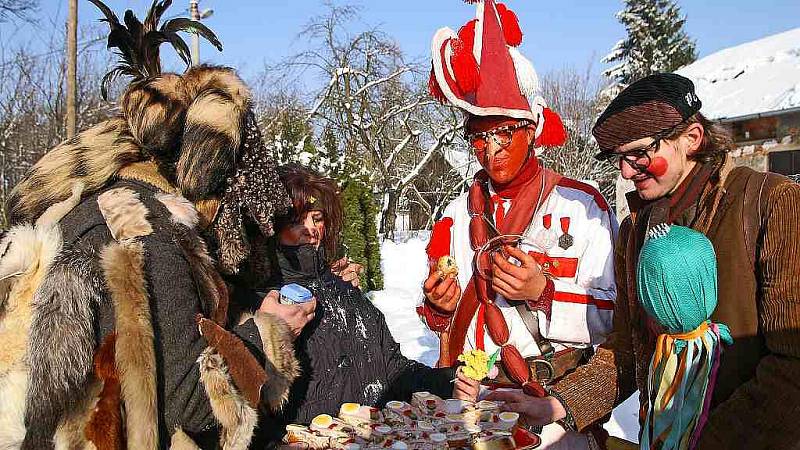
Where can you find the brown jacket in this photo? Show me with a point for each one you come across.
(756, 402)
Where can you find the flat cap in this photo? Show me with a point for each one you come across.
(645, 108)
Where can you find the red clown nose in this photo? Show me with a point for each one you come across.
(658, 167)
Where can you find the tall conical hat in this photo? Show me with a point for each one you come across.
(480, 71)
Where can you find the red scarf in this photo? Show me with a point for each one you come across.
(528, 172)
(479, 295)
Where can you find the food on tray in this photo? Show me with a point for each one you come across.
(426, 423)
(491, 440)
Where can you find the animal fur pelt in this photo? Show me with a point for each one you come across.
(237, 418)
(26, 253)
(190, 125)
(62, 323)
(282, 367)
(104, 428)
(245, 370)
(92, 157)
(180, 441)
(213, 291)
(123, 266)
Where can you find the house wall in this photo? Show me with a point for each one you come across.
(768, 143)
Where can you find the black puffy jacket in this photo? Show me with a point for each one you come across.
(346, 352)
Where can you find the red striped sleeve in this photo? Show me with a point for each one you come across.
(584, 299)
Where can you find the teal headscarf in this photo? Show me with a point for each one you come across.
(677, 286)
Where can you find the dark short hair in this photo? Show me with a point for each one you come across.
(305, 185)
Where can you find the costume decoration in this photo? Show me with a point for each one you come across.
(488, 76)
(478, 365)
(677, 285)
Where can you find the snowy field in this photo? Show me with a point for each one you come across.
(404, 269)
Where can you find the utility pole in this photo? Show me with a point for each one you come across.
(195, 14)
(72, 69)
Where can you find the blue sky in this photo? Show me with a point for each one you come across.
(557, 33)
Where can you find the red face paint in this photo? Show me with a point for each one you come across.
(658, 167)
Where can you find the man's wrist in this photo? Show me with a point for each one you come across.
(545, 300)
(436, 321)
(436, 309)
(562, 415)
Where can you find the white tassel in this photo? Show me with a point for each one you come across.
(527, 78)
(659, 231)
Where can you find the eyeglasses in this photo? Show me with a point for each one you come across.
(638, 159)
(502, 136)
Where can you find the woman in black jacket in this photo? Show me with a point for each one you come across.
(346, 351)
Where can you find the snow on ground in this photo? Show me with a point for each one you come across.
(755, 77)
(404, 265)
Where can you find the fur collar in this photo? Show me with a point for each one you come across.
(147, 172)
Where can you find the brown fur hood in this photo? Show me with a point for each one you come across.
(190, 124)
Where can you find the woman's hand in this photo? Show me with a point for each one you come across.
(535, 410)
(296, 316)
(466, 388)
(347, 270)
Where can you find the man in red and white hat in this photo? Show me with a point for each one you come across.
(546, 294)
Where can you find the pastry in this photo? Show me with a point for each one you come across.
(447, 266)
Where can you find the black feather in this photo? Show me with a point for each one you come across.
(192, 26)
(111, 18)
(134, 26)
(157, 10)
(137, 43)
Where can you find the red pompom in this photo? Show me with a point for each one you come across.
(510, 24)
(553, 133)
(434, 88)
(465, 67)
(467, 34)
(439, 244)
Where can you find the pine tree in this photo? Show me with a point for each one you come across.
(360, 233)
(656, 42)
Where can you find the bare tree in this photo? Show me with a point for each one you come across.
(575, 95)
(33, 104)
(376, 104)
(19, 9)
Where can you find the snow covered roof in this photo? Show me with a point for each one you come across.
(756, 77)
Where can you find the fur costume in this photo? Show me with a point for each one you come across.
(106, 282)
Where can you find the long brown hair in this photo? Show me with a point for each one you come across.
(305, 185)
(717, 140)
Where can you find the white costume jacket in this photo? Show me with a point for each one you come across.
(583, 302)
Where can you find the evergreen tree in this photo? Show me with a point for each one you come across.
(359, 232)
(656, 42)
